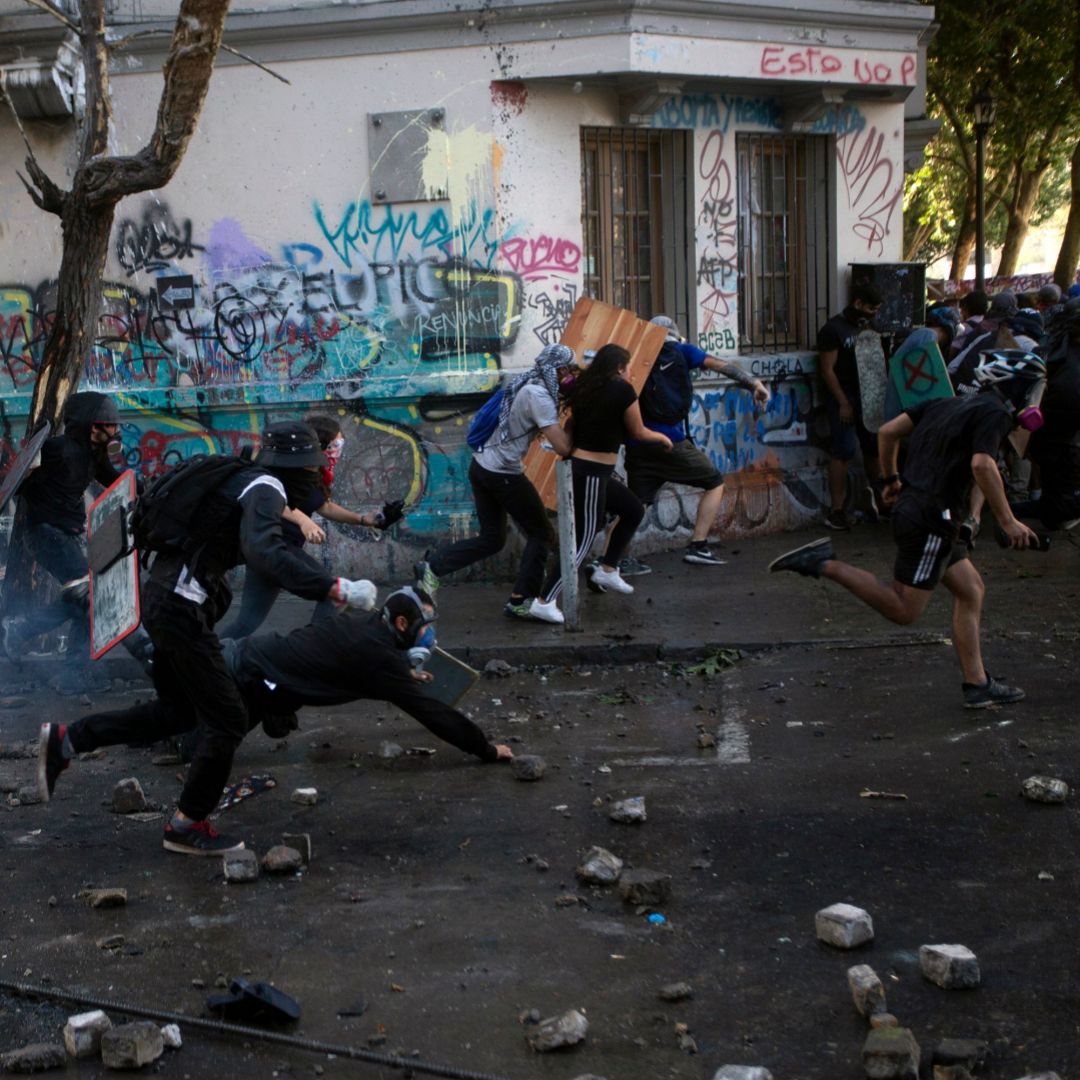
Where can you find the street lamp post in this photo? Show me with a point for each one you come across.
(982, 114)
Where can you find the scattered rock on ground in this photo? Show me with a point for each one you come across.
(13, 702)
(1044, 789)
(866, 990)
(952, 1072)
(37, 1057)
(600, 867)
(498, 669)
(240, 866)
(676, 991)
(111, 941)
(282, 860)
(844, 926)
(528, 767)
(628, 810)
(742, 1072)
(131, 1046)
(301, 841)
(171, 1038)
(29, 796)
(884, 1020)
(306, 796)
(83, 1031)
(556, 1031)
(644, 886)
(891, 1054)
(967, 1052)
(954, 967)
(128, 797)
(107, 898)
(389, 751)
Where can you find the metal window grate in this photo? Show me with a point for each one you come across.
(784, 269)
(635, 221)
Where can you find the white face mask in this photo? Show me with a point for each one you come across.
(334, 449)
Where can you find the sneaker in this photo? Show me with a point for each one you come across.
(590, 568)
(425, 577)
(51, 760)
(969, 529)
(806, 560)
(13, 637)
(631, 567)
(991, 692)
(837, 520)
(609, 579)
(700, 554)
(199, 838)
(521, 609)
(548, 612)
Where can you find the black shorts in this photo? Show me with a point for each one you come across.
(648, 467)
(922, 554)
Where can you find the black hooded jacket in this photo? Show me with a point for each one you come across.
(53, 492)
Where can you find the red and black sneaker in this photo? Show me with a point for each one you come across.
(51, 760)
(199, 838)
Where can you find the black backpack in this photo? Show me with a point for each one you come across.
(169, 514)
(668, 392)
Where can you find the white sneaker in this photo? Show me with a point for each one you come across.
(610, 579)
(546, 612)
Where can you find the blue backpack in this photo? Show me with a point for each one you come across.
(483, 424)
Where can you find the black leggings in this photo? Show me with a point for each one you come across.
(596, 495)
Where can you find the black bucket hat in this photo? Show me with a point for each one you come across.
(290, 444)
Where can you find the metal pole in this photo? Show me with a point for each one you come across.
(980, 199)
(567, 545)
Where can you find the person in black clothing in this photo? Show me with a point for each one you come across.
(258, 594)
(186, 594)
(335, 659)
(840, 374)
(954, 441)
(56, 516)
(604, 412)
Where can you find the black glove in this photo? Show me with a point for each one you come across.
(391, 513)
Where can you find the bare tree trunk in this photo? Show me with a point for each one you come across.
(964, 245)
(1023, 203)
(1069, 254)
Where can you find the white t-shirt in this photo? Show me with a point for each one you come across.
(532, 410)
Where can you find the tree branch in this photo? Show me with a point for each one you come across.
(47, 195)
(252, 60)
(55, 12)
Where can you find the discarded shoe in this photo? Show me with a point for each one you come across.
(254, 1003)
(806, 560)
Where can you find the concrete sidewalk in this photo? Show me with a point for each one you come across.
(683, 611)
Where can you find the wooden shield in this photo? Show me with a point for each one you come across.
(591, 325)
(114, 590)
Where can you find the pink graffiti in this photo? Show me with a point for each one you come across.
(539, 256)
(873, 192)
(778, 61)
(717, 234)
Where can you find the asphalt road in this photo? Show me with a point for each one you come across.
(427, 907)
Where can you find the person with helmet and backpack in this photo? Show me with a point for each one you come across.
(527, 405)
(666, 400)
(337, 658)
(56, 517)
(954, 443)
(205, 517)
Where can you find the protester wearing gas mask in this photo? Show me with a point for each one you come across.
(56, 516)
(954, 442)
(309, 491)
(337, 658)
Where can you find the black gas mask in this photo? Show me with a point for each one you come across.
(418, 637)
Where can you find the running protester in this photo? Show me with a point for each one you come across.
(954, 441)
(500, 488)
(603, 414)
